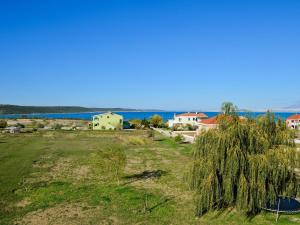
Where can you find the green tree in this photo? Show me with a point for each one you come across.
(245, 164)
(145, 123)
(156, 120)
(228, 108)
(3, 123)
(136, 123)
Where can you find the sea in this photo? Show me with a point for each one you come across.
(166, 115)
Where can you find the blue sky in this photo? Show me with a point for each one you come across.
(176, 55)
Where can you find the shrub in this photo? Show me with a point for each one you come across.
(190, 127)
(40, 125)
(179, 138)
(145, 123)
(20, 125)
(3, 123)
(136, 123)
(156, 121)
(57, 126)
(175, 127)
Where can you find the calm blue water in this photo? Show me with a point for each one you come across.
(126, 115)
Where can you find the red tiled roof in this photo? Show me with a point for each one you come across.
(294, 117)
(212, 120)
(218, 118)
(199, 115)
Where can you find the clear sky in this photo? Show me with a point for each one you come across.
(162, 54)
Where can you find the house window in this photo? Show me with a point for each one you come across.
(120, 120)
(179, 119)
(107, 117)
(189, 119)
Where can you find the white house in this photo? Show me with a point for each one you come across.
(293, 121)
(187, 118)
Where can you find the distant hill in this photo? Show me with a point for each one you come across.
(17, 109)
(295, 107)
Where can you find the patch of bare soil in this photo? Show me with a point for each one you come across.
(64, 214)
(81, 172)
(23, 203)
(294, 219)
(60, 169)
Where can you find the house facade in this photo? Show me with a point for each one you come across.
(107, 121)
(293, 121)
(187, 118)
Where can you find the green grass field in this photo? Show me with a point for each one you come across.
(89, 177)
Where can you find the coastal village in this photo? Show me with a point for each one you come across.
(188, 125)
(110, 155)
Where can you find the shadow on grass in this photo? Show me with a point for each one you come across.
(226, 211)
(145, 175)
(164, 201)
(159, 139)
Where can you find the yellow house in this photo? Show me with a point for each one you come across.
(107, 121)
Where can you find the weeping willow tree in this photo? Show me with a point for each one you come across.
(245, 163)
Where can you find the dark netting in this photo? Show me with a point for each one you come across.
(284, 205)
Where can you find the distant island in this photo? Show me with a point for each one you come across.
(17, 109)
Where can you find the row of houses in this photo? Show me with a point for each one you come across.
(202, 122)
(113, 121)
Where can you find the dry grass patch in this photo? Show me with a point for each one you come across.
(63, 214)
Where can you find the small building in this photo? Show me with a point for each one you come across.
(187, 118)
(293, 121)
(207, 124)
(107, 121)
(13, 130)
(213, 122)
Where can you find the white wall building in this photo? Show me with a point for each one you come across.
(293, 121)
(187, 118)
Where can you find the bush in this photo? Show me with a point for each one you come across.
(190, 127)
(175, 127)
(136, 123)
(20, 125)
(156, 121)
(57, 126)
(3, 123)
(178, 138)
(145, 123)
(187, 127)
(40, 125)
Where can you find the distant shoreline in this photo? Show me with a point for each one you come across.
(138, 111)
(25, 114)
